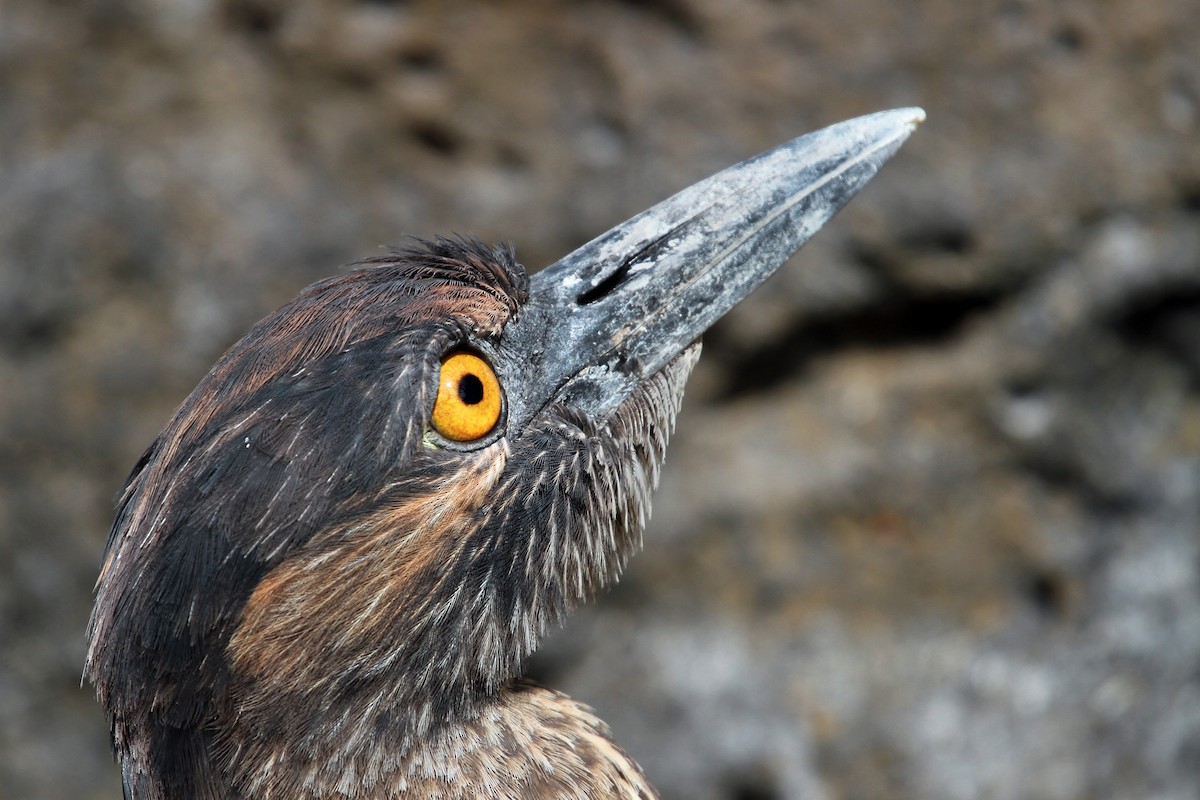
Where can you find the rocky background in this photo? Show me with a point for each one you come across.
(930, 526)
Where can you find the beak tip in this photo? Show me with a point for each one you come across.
(899, 122)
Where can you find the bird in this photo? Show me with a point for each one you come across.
(325, 575)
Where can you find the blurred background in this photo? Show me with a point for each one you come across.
(930, 525)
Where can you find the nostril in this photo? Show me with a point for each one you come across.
(651, 253)
(605, 286)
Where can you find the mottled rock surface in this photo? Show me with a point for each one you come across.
(931, 523)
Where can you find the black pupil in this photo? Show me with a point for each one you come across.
(470, 389)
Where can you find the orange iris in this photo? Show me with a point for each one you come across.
(468, 399)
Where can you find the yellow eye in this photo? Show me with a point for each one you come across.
(468, 398)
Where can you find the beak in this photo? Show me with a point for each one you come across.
(615, 311)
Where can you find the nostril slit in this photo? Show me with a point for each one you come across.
(605, 286)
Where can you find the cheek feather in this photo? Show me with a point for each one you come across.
(337, 600)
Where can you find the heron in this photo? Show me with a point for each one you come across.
(325, 575)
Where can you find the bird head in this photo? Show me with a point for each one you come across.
(364, 518)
